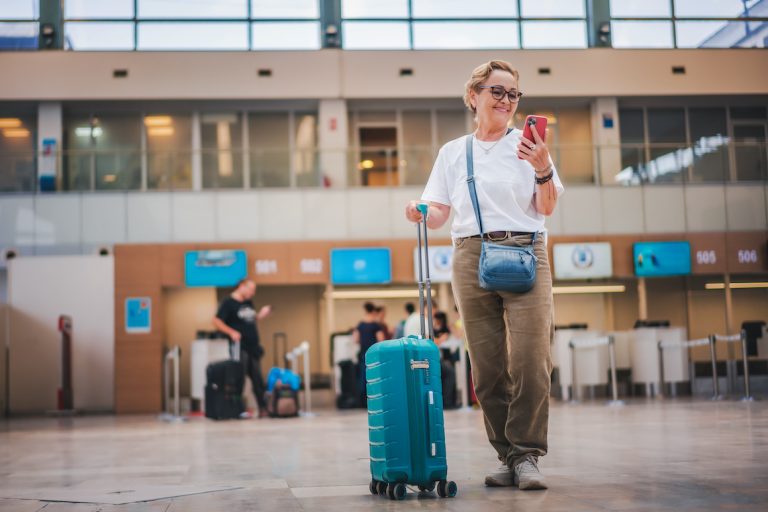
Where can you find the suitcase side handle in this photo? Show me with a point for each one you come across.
(432, 421)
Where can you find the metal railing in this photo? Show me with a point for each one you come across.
(714, 160)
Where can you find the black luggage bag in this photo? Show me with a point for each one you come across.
(348, 397)
(224, 390)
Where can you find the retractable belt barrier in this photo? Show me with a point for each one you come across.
(303, 351)
(735, 338)
(172, 357)
(688, 344)
(582, 343)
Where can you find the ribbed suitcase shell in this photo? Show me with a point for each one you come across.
(405, 412)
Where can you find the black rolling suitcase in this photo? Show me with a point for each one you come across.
(224, 390)
(348, 398)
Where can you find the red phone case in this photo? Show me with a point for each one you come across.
(541, 127)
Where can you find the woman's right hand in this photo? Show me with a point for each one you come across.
(412, 213)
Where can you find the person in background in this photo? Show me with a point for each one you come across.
(367, 332)
(238, 319)
(381, 314)
(400, 329)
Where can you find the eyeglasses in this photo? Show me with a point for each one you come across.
(498, 92)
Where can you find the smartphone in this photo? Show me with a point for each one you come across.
(538, 122)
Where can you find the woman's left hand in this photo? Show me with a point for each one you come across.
(535, 152)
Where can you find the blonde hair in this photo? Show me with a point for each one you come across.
(481, 74)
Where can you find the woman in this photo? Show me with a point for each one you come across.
(366, 334)
(508, 334)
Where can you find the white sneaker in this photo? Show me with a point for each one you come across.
(527, 474)
(502, 477)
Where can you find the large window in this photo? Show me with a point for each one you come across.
(19, 24)
(689, 23)
(173, 25)
(457, 24)
(693, 144)
(103, 151)
(17, 150)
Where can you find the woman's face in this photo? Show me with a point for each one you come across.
(492, 112)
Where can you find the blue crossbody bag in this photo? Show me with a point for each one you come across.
(501, 268)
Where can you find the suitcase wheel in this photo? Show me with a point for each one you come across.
(429, 488)
(374, 487)
(447, 489)
(396, 491)
(381, 487)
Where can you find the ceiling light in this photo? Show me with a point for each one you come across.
(15, 133)
(721, 286)
(366, 164)
(87, 131)
(110, 178)
(377, 294)
(10, 122)
(573, 290)
(161, 131)
(158, 121)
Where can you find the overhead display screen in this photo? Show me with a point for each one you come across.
(361, 266)
(214, 268)
(582, 261)
(657, 259)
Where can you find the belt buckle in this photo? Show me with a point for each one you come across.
(503, 237)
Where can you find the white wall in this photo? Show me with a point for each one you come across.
(373, 74)
(39, 290)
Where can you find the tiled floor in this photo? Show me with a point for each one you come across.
(649, 455)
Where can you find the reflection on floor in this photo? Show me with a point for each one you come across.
(650, 455)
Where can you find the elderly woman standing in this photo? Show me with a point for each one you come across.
(508, 333)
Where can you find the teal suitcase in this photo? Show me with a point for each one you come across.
(405, 410)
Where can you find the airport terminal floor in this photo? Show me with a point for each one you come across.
(648, 455)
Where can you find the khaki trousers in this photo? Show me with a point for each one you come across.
(509, 336)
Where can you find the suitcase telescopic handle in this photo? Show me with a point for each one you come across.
(425, 285)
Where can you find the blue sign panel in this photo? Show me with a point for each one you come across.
(361, 266)
(138, 315)
(214, 268)
(662, 259)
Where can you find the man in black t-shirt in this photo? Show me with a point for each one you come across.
(237, 319)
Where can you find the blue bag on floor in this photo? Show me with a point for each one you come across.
(284, 375)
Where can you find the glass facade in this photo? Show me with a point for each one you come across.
(17, 145)
(689, 23)
(103, 151)
(238, 25)
(170, 25)
(454, 24)
(693, 144)
(19, 27)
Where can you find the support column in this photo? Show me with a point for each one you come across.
(332, 142)
(197, 156)
(642, 300)
(51, 25)
(605, 137)
(49, 130)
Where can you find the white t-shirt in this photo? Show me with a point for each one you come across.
(505, 187)
(412, 325)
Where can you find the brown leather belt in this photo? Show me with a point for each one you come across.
(497, 236)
